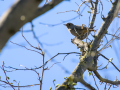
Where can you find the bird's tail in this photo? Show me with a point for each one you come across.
(91, 30)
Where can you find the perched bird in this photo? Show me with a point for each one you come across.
(77, 30)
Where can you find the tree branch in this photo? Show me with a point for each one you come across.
(77, 76)
(103, 29)
(92, 20)
(89, 60)
(21, 12)
(106, 80)
(87, 85)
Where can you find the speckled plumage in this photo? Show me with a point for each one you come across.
(77, 30)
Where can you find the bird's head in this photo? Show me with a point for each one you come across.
(69, 25)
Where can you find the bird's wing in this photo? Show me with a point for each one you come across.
(81, 27)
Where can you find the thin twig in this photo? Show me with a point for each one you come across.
(42, 72)
(95, 81)
(29, 43)
(110, 62)
(7, 82)
(25, 47)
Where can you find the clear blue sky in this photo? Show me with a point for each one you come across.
(55, 40)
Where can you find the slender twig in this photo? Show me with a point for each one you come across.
(110, 62)
(20, 86)
(110, 41)
(52, 65)
(35, 34)
(106, 38)
(95, 81)
(25, 47)
(41, 65)
(114, 36)
(42, 72)
(104, 67)
(6, 77)
(105, 86)
(105, 80)
(29, 43)
(109, 86)
(63, 53)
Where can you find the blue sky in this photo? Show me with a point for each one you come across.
(55, 39)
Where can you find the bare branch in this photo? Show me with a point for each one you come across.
(110, 62)
(87, 85)
(6, 77)
(42, 72)
(77, 75)
(116, 82)
(25, 47)
(21, 12)
(95, 81)
(109, 18)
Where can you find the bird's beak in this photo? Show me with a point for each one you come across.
(64, 24)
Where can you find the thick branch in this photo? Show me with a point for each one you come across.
(21, 12)
(86, 62)
(74, 77)
(45, 8)
(89, 60)
(80, 44)
(87, 85)
(77, 75)
(103, 29)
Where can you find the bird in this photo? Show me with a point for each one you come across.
(77, 30)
